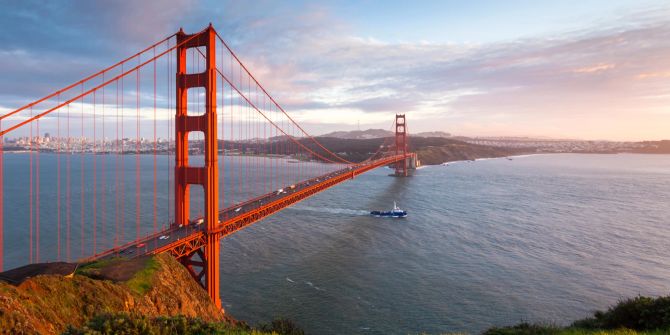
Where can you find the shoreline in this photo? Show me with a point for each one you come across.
(545, 154)
(447, 163)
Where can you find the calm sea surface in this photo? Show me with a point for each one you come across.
(494, 242)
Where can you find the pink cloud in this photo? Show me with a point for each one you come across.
(533, 86)
(595, 68)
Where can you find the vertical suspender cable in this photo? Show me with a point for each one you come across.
(155, 148)
(68, 191)
(103, 199)
(122, 183)
(222, 159)
(116, 171)
(81, 169)
(265, 151)
(169, 130)
(137, 155)
(37, 195)
(2, 218)
(95, 179)
(58, 181)
(30, 193)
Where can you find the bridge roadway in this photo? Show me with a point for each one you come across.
(183, 240)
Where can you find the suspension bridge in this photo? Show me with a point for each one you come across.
(105, 167)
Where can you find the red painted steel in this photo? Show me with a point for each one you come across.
(400, 145)
(83, 94)
(207, 176)
(186, 246)
(2, 216)
(237, 223)
(277, 154)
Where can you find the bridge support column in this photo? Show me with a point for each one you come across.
(208, 175)
(413, 162)
(400, 145)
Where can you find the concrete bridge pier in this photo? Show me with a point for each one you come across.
(413, 162)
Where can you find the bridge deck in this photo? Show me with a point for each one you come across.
(183, 240)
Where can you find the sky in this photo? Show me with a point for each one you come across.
(589, 69)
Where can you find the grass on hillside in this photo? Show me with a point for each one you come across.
(123, 323)
(86, 268)
(534, 329)
(635, 316)
(139, 272)
(142, 281)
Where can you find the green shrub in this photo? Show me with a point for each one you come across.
(524, 329)
(282, 326)
(640, 313)
(136, 324)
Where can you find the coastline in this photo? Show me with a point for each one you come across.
(447, 163)
(546, 154)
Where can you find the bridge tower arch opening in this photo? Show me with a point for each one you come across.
(207, 256)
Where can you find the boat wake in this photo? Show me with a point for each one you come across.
(330, 210)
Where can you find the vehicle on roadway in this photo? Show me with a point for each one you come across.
(164, 237)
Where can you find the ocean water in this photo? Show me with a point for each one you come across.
(99, 210)
(543, 238)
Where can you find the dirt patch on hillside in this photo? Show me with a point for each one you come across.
(18, 275)
(114, 269)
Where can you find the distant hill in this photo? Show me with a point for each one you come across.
(654, 147)
(379, 133)
(431, 150)
(359, 134)
(431, 134)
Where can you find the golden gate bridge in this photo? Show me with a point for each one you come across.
(91, 195)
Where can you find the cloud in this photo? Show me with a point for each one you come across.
(530, 83)
(648, 75)
(595, 68)
(318, 66)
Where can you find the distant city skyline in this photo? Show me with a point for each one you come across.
(591, 70)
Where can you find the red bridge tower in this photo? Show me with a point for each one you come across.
(207, 259)
(400, 145)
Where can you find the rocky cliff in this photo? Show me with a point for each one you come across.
(149, 286)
